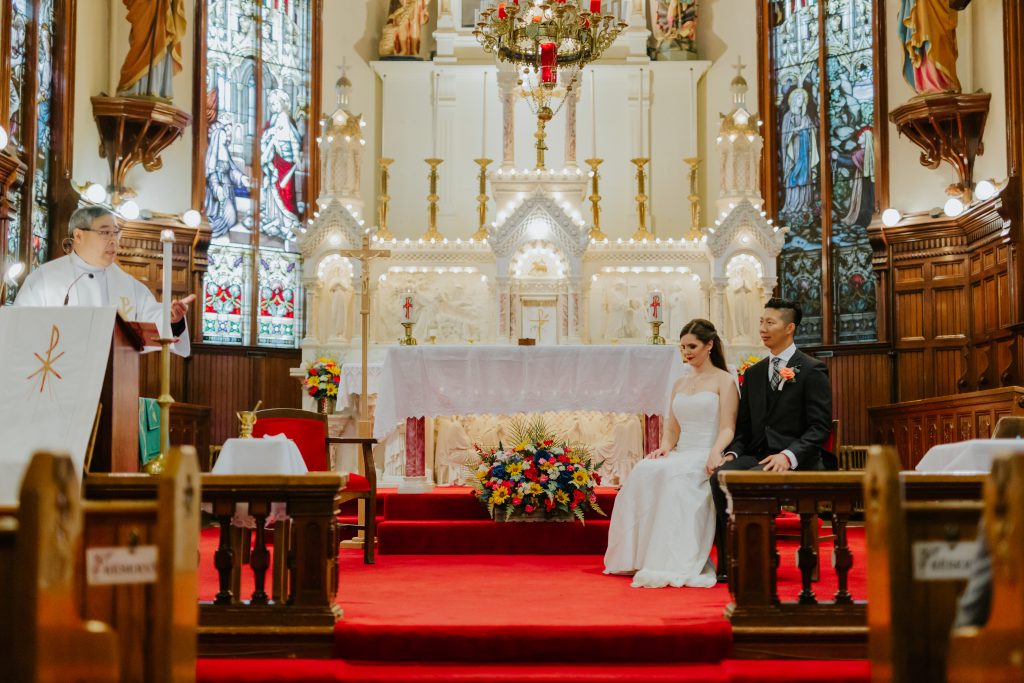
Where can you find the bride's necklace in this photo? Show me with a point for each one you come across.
(691, 383)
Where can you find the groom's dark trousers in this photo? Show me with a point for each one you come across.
(797, 417)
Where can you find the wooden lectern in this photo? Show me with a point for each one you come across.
(117, 437)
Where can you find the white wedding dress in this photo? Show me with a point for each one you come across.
(663, 522)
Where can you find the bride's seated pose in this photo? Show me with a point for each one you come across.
(663, 522)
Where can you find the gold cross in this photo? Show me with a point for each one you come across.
(47, 363)
(364, 255)
(540, 321)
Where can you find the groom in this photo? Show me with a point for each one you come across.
(785, 413)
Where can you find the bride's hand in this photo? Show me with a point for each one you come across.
(714, 461)
(658, 453)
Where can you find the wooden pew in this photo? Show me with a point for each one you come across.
(155, 622)
(42, 637)
(912, 593)
(994, 653)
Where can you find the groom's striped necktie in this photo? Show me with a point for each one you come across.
(776, 377)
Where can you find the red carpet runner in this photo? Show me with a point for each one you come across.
(456, 597)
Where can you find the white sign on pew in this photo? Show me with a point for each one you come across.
(120, 565)
(944, 561)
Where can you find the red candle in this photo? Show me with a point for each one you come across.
(548, 74)
(515, 2)
(536, 18)
(547, 54)
(595, 6)
(502, 14)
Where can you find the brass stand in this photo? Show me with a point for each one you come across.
(382, 201)
(544, 114)
(695, 232)
(656, 337)
(409, 339)
(595, 200)
(641, 201)
(432, 233)
(481, 201)
(156, 465)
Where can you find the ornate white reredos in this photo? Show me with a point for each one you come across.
(334, 229)
(539, 218)
(745, 230)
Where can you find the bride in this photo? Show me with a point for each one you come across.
(663, 522)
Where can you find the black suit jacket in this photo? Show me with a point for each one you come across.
(797, 417)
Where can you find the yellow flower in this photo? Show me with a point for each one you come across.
(535, 488)
(580, 477)
(332, 390)
(561, 496)
(514, 469)
(522, 446)
(574, 459)
(499, 496)
(481, 474)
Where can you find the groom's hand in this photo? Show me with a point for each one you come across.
(776, 463)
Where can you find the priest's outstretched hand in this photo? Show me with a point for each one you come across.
(179, 307)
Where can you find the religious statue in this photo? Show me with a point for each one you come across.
(338, 306)
(800, 153)
(743, 299)
(621, 313)
(453, 452)
(400, 37)
(927, 30)
(674, 28)
(154, 48)
(281, 160)
(224, 176)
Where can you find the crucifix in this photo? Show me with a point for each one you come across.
(364, 255)
(539, 322)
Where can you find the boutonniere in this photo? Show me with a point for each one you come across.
(789, 374)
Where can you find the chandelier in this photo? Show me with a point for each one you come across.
(549, 42)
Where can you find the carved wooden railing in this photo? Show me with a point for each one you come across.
(299, 613)
(761, 621)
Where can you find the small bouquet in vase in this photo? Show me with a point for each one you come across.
(542, 477)
(322, 379)
(744, 365)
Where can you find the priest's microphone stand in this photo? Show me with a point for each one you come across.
(156, 465)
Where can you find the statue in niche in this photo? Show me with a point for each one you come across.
(674, 27)
(154, 48)
(400, 38)
(743, 298)
(927, 30)
(453, 452)
(338, 306)
(621, 313)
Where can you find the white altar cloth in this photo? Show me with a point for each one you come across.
(269, 455)
(429, 381)
(967, 457)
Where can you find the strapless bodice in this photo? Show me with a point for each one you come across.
(697, 415)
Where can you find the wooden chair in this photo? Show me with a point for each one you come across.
(993, 653)
(309, 432)
(912, 601)
(42, 638)
(1009, 427)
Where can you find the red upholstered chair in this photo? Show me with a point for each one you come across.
(309, 432)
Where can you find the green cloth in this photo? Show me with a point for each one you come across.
(149, 429)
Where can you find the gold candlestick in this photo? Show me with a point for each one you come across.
(481, 201)
(544, 114)
(595, 200)
(695, 232)
(656, 337)
(382, 201)
(641, 201)
(409, 340)
(156, 465)
(432, 233)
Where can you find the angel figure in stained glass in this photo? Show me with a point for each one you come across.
(800, 153)
(280, 159)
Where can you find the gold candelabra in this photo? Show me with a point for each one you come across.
(382, 201)
(157, 464)
(656, 337)
(481, 201)
(544, 114)
(408, 340)
(695, 232)
(595, 200)
(432, 233)
(641, 200)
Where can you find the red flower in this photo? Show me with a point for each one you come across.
(530, 508)
(517, 501)
(578, 497)
(597, 478)
(548, 442)
(549, 504)
(531, 474)
(563, 459)
(335, 379)
(313, 371)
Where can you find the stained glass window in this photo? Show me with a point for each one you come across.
(43, 99)
(841, 160)
(258, 75)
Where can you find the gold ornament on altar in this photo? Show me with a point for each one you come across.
(246, 420)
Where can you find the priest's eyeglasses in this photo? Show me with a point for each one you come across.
(108, 235)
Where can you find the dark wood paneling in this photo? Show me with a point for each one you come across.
(858, 382)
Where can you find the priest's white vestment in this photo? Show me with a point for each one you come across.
(71, 279)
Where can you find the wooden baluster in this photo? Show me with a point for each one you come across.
(279, 580)
(259, 560)
(841, 510)
(807, 555)
(224, 561)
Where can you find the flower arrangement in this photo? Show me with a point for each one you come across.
(322, 378)
(541, 474)
(746, 363)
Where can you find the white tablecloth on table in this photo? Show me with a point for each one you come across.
(967, 457)
(428, 381)
(275, 454)
(269, 455)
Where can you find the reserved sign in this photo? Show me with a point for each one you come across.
(943, 561)
(114, 566)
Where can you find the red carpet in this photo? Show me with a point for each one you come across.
(486, 611)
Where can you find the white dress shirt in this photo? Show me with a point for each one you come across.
(786, 356)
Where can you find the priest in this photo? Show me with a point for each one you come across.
(88, 276)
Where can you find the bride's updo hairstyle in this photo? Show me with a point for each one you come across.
(705, 331)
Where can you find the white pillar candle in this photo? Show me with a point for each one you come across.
(483, 122)
(593, 115)
(655, 307)
(433, 115)
(167, 238)
(407, 310)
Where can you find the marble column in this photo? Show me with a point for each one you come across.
(570, 129)
(415, 479)
(718, 301)
(506, 87)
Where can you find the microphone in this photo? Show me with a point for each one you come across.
(67, 295)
